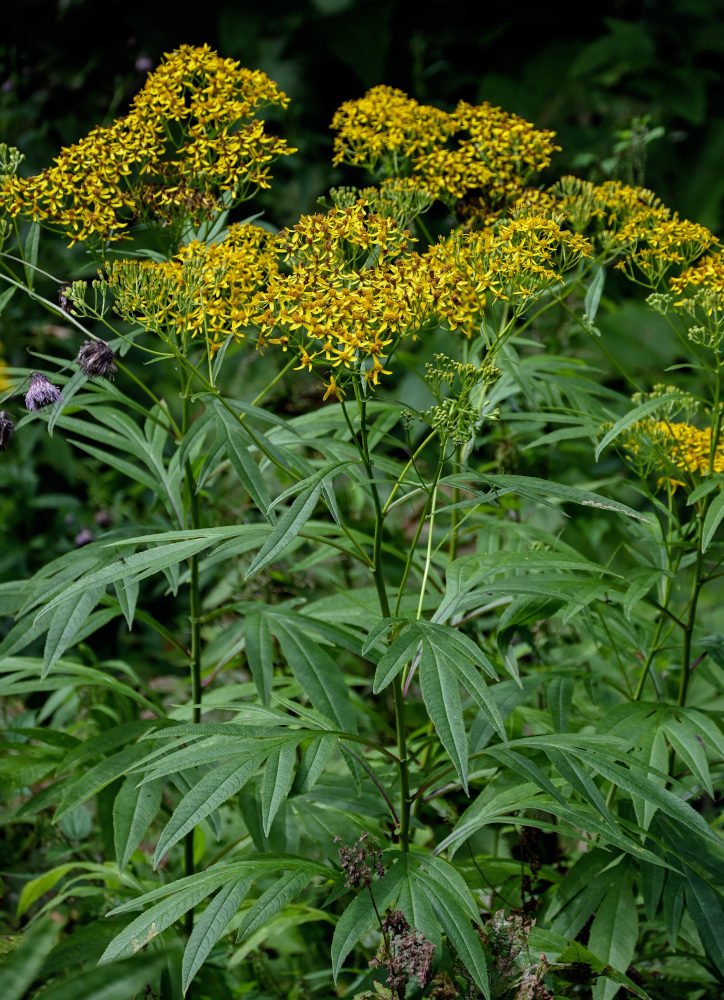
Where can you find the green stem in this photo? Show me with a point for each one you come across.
(377, 572)
(664, 607)
(455, 512)
(428, 553)
(279, 375)
(691, 621)
(195, 625)
(408, 466)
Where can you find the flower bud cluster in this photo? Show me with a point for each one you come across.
(458, 415)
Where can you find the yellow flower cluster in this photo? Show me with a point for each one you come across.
(496, 154)
(387, 125)
(636, 226)
(682, 445)
(517, 259)
(487, 165)
(207, 289)
(188, 141)
(354, 289)
(707, 277)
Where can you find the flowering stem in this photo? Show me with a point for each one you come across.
(428, 555)
(408, 466)
(689, 632)
(377, 572)
(279, 375)
(195, 624)
(602, 347)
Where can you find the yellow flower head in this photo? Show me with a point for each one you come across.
(631, 223)
(477, 159)
(189, 139)
(386, 125)
(205, 290)
(669, 446)
(354, 288)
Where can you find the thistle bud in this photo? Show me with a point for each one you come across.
(84, 537)
(96, 359)
(7, 429)
(41, 393)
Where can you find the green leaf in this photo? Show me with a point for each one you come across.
(702, 724)
(593, 294)
(436, 870)
(705, 907)
(108, 739)
(259, 653)
(456, 924)
(6, 296)
(570, 769)
(23, 675)
(274, 899)
(30, 253)
(257, 865)
(413, 902)
(672, 900)
(211, 925)
(156, 919)
(539, 489)
(691, 752)
(23, 964)
(102, 774)
(398, 653)
(128, 469)
(278, 778)
(134, 809)
(68, 619)
(634, 415)
(124, 979)
(71, 387)
(37, 887)
(455, 642)
(713, 519)
(634, 782)
(127, 593)
(288, 526)
(710, 484)
(360, 915)
(559, 695)
(237, 442)
(314, 759)
(317, 674)
(614, 931)
(439, 685)
(214, 788)
(462, 656)
(140, 565)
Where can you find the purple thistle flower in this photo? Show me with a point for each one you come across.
(7, 429)
(41, 393)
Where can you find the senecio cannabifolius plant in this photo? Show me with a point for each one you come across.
(449, 730)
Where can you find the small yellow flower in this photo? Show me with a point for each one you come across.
(333, 390)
